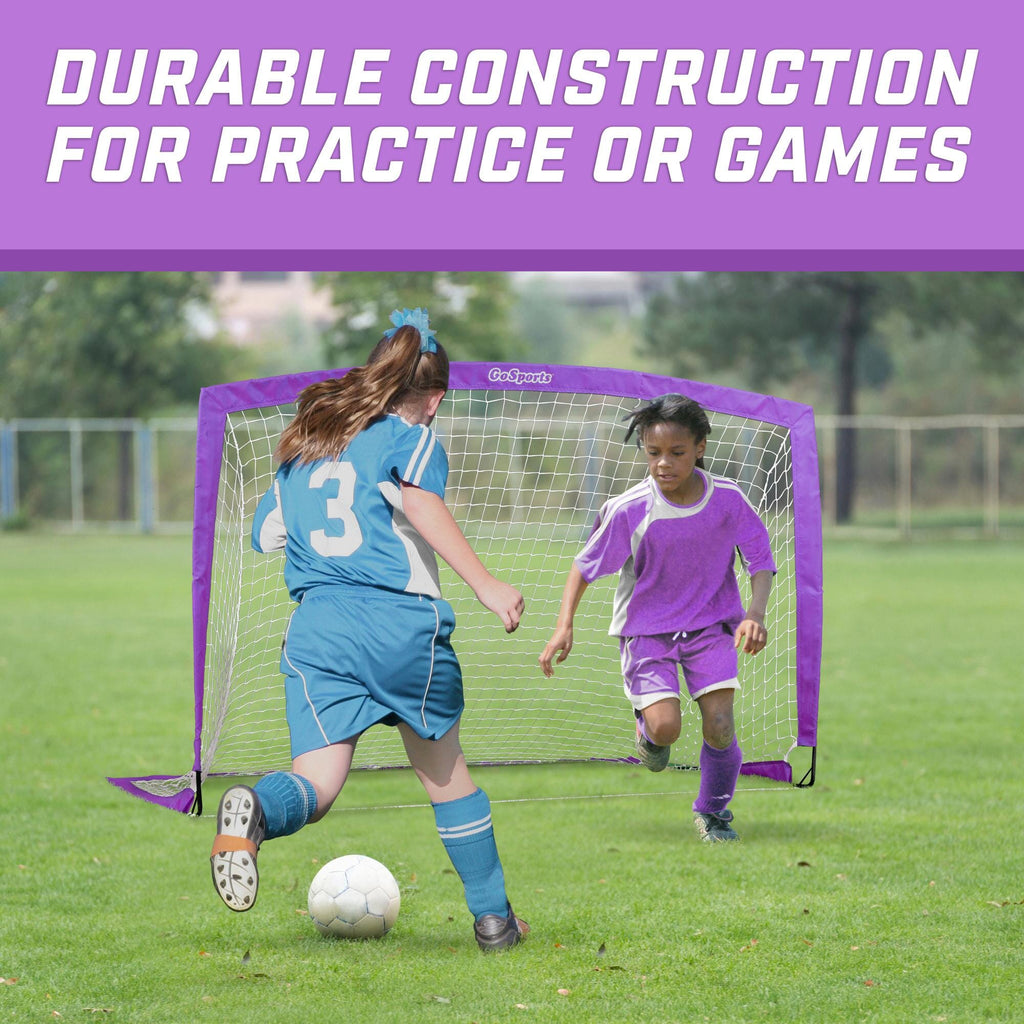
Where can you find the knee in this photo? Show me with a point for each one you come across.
(663, 733)
(717, 721)
(662, 722)
(719, 731)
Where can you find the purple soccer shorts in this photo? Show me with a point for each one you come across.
(651, 664)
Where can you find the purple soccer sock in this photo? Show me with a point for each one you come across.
(719, 770)
(642, 726)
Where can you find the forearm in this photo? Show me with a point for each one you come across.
(760, 589)
(560, 643)
(572, 593)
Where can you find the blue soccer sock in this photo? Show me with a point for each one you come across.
(288, 802)
(464, 826)
(719, 770)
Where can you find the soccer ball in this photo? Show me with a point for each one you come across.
(354, 897)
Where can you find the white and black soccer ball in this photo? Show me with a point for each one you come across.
(354, 897)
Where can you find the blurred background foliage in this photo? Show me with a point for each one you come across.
(106, 344)
(128, 344)
(143, 344)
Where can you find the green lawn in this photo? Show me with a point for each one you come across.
(890, 891)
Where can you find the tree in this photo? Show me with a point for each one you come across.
(471, 312)
(767, 327)
(105, 344)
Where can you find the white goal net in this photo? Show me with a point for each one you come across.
(530, 465)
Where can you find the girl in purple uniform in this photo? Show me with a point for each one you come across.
(672, 539)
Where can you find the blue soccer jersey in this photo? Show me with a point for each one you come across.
(341, 520)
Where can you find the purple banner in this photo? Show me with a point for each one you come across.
(660, 135)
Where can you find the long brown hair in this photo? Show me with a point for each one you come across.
(331, 412)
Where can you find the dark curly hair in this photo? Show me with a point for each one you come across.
(671, 408)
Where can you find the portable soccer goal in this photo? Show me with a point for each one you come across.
(534, 451)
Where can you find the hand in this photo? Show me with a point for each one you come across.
(562, 642)
(505, 601)
(751, 636)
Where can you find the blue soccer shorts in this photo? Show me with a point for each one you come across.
(357, 656)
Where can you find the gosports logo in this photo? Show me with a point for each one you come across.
(517, 377)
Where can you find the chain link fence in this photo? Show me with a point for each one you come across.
(97, 474)
(935, 475)
(958, 476)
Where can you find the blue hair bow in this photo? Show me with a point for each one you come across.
(417, 318)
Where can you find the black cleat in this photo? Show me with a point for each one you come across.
(715, 828)
(496, 932)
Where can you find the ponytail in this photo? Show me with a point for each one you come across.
(331, 412)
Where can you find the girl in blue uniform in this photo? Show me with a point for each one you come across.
(358, 507)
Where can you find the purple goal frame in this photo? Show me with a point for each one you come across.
(218, 402)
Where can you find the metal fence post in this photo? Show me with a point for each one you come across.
(904, 489)
(144, 476)
(8, 472)
(991, 433)
(77, 481)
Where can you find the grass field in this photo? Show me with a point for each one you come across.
(890, 891)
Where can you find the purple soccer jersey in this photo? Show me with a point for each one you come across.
(675, 562)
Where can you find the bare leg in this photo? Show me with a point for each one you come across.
(663, 721)
(462, 813)
(439, 764)
(327, 769)
(716, 715)
(720, 763)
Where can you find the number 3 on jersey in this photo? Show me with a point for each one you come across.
(339, 509)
